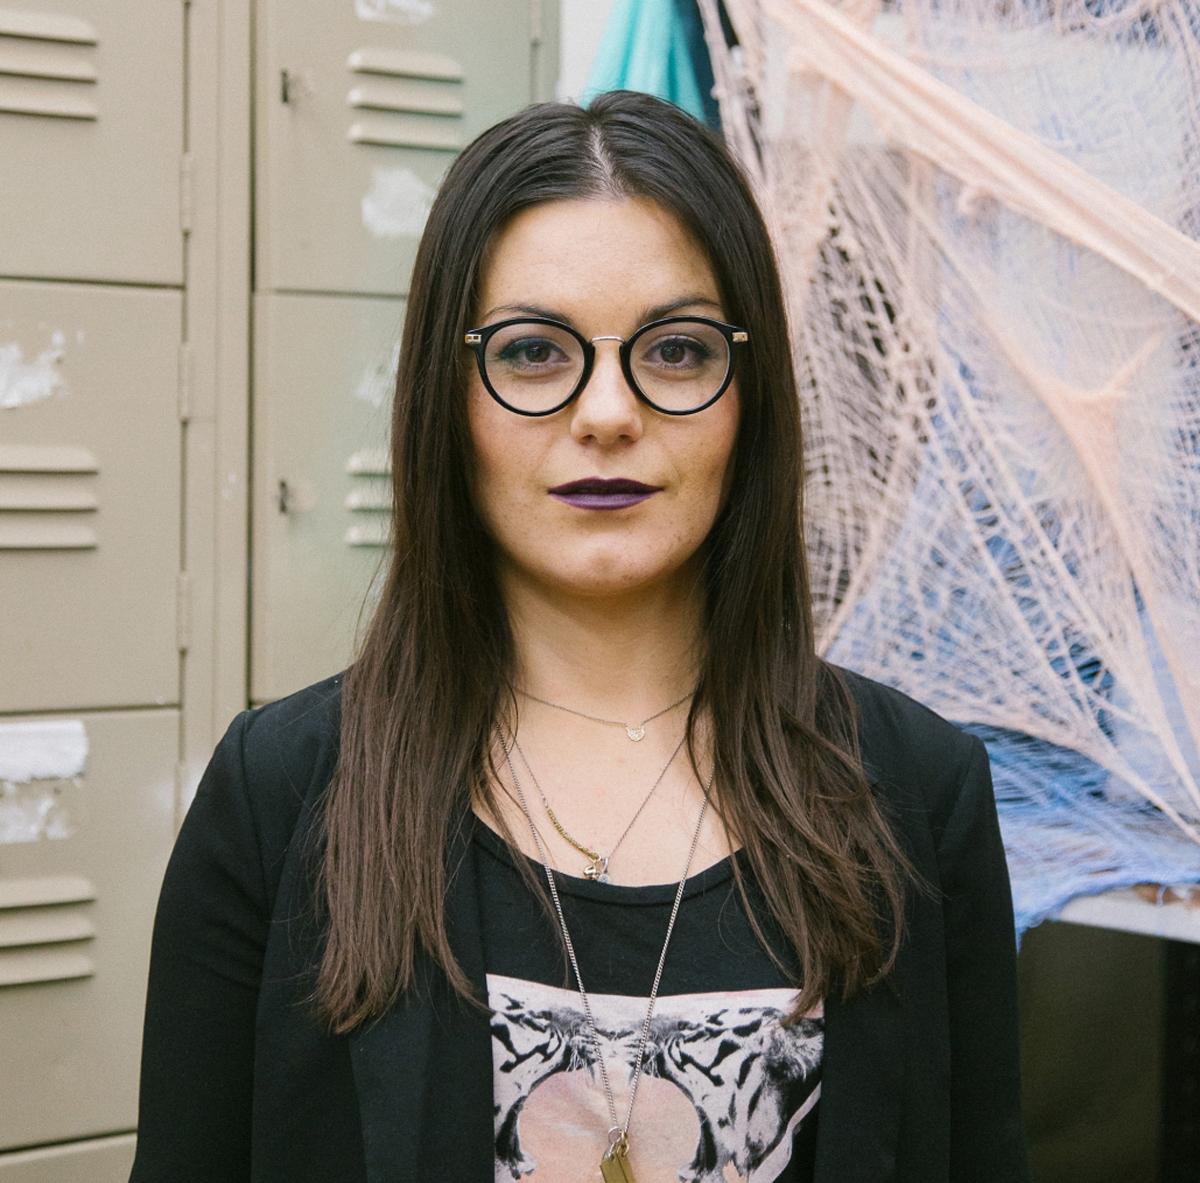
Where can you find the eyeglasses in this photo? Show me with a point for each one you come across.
(535, 366)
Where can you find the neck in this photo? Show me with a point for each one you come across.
(619, 657)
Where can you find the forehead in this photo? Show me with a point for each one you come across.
(595, 258)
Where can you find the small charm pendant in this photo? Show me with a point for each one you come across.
(597, 869)
(614, 1166)
(635, 733)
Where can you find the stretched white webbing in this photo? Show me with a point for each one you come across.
(986, 217)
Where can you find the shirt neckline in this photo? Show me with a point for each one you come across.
(607, 893)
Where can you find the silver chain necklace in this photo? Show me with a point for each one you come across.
(635, 731)
(614, 1166)
(597, 866)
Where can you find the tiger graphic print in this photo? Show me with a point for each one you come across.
(725, 1088)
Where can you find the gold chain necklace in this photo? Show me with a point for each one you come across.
(597, 867)
(614, 1165)
(635, 731)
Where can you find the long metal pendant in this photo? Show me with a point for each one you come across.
(614, 1166)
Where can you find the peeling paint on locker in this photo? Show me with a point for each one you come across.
(378, 379)
(401, 12)
(23, 382)
(397, 203)
(41, 770)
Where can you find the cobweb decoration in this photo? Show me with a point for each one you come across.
(987, 213)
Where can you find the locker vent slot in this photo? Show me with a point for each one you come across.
(369, 462)
(47, 497)
(41, 927)
(405, 63)
(370, 501)
(46, 26)
(375, 96)
(47, 65)
(405, 99)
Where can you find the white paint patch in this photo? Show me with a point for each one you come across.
(43, 750)
(23, 382)
(40, 768)
(397, 203)
(399, 12)
(30, 813)
(379, 379)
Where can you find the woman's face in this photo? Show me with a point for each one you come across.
(605, 267)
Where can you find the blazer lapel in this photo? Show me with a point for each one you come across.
(862, 1082)
(423, 1071)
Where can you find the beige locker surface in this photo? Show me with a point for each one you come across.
(75, 921)
(324, 368)
(91, 136)
(358, 119)
(98, 1160)
(89, 496)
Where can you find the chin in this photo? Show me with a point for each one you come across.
(614, 575)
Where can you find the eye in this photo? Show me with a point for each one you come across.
(673, 352)
(677, 352)
(531, 353)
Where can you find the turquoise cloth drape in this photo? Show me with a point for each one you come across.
(657, 46)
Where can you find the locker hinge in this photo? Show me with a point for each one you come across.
(185, 382)
(181, 787)
(186, 178)
(536, 32)
(183, 611)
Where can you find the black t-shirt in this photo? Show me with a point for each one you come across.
(727, 1092)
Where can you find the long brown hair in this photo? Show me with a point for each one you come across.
(420, 702)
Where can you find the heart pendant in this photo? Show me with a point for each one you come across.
(635, 733)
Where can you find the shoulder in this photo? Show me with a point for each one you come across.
(915, 757)
(268, 769)
(291, 738)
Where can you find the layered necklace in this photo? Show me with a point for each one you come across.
(614, 1164)
(597, 864)
(635, 731)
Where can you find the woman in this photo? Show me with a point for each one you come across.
(588, 867)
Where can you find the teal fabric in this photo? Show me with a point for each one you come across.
(656, 46)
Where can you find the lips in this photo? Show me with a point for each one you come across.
(595, 492)
(601, 485)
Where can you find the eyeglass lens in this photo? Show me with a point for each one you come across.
(677, 366)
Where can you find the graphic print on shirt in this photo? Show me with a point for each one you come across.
(723, 1093)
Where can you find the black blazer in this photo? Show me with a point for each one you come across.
(239, 1083)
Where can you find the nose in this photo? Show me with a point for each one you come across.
(606, 410)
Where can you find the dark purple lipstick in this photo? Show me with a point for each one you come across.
(597, 493)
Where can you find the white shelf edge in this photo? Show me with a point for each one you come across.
(1127, 911)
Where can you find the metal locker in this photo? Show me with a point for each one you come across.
(96, 1160)
(87, 819)
(361, 107)
(89, 496)
(325, 367)
(91, 136)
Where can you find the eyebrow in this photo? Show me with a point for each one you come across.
(656, 312)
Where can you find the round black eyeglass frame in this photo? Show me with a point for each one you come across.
(478, 339)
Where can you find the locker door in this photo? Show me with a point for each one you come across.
(87, 818)
(91, 139)
(89, 495)
(361, 107)
(324, 375)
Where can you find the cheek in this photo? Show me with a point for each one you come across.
(499, 449)
(484, 477)
(725, 447)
